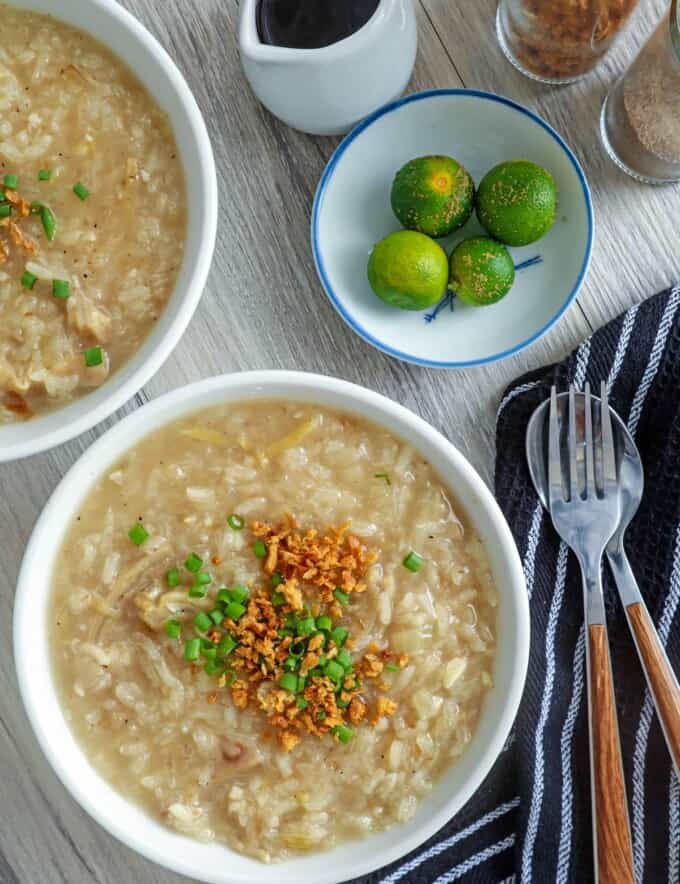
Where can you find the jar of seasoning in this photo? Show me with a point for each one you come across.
(640, 121)
(559, 41)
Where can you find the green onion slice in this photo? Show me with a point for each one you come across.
(93, 356)
(138, 534)
(81, 191)
(173, 629)
(236, 522)
(413, 562)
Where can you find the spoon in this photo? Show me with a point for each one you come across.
(662, 682)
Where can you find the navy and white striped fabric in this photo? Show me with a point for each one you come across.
(530, 821)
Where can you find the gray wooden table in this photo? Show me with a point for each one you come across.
(263, 299)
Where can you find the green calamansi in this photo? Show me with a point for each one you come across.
(517, 202)
(482, 271)
(408, 270)
(433, 195)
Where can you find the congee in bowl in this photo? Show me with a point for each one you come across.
(272, 626)
(92, 213)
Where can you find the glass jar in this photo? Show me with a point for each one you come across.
(559, 41)
(640, 123)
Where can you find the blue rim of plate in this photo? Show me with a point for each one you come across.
(328, 173)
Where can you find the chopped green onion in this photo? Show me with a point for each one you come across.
(11, 182)
(301, 703)
(224, 595)
(342, 704)
(343, 733)
(193, 563)
(209, 653)
(81, 191)
(302, 683)
(320, 714)
(278, 599)
(384, 476)
(235, 522)
(291, 663)
(5, 210)
(341, 596)
(49, 222)
(322, 662)
(173, 629)
(306, 626)
(260, 549)
(344, 658)
(282, 633)
(202, 622)
(28, 279)
(172, 577)
(216, 615)
(339, 635)
(390, 667)
(234, 611)
(290, 620)
(44, 175)
(297, 649)
(192, 648)
(277, 579)
(61, 289)
(334, 670)
(198, 592)
(226, 645)
(202, 578)
(289, 682)
(138, 534)
(214, 667)
(239, 594)
(93, 356)
(324, 623)
(413, 562)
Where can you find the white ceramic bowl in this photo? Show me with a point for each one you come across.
(352, 212)
(122, 33)
(212, 862)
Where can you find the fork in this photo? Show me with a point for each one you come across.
(586, 522)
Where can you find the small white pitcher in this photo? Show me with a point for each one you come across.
(326, 91)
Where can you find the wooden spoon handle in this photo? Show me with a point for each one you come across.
(614, 851)
(660, 677)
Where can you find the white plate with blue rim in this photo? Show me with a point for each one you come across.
(352, 212)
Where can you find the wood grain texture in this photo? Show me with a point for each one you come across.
(661, 679)
(614, 849)
(264, 308)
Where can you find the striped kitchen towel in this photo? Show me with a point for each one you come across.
(530, 821)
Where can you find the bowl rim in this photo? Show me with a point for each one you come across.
(328, 172)
(162, 411)
(206, 219)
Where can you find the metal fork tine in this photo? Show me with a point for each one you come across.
(573, 463)
(554, 458)
(591, 488)
(608, 453)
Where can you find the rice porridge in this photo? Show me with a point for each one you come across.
(92, 213)
(261, 592)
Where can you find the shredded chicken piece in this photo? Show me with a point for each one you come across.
(88, 318)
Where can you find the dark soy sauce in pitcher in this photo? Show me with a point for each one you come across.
(311, 24)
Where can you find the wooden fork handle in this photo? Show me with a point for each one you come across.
(614, 851)
(661, 679)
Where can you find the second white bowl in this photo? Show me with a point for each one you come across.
(215, 863)
(129, 40)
